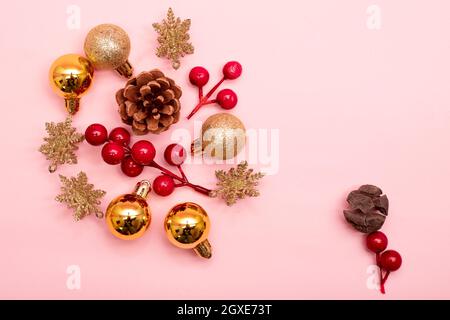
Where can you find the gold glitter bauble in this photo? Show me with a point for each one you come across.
(223, 137)
(187, 226)
(128, 216)
(70, 77)
(108, 47)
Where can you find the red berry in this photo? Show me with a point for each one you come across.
(175, 154)
(112, 153)
(143, 152)
(130, 167)
(163, 185)
(199, 76)
(120, 136)
(227, 99)
(96, 134)
(390, 260)
(377, 242)
(232, 70)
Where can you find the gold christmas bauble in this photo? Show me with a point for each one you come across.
(187, 226)
(71, 76)
(223, 137)
(108, 47)
(128, 216)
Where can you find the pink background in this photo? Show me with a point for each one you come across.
(353, 106)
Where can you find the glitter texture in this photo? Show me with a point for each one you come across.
(173, 38)
(107, 46)
(80, 196)
(61, 143)
(223, 137)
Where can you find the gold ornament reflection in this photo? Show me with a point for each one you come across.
(71, 76)
(187, 226)
(128, 216)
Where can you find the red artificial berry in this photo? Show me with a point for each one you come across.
(227, 99)
(377, 242)
(96, 134)
(163, 185)
(143, 152)
(390, 260)
(232, 70)
(130, 167)
(120, 135)
(175, 154)
(112, 153)
(199, 76)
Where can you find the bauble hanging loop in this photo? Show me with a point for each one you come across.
(108, 47)
(70, 77)
(128, 216)
(187, 226)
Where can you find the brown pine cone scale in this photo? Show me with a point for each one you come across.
(150, 102)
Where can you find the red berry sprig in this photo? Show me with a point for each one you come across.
(388, 260)
(226, 98)
(116, 149)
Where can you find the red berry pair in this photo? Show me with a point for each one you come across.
(226, 98)
(116, 150)
(388, 260)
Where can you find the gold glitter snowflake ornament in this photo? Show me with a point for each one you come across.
(173, 38)
(80, 196)
(61, 143)
(237, 183)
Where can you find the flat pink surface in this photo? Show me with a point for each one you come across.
(352, 106)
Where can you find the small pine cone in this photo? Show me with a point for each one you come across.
(149, 102)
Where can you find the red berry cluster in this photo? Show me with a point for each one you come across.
(388, 260)
(226, 98)
(116, 150)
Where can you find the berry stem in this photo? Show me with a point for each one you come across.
(200, 93)
(184, 182)
(200, 189)
(196, 187)
(204, 99)
(210, 102)
(210, 92)
(381, 270)
(383, 281)
(177, 185)
(182, 173)
(166, 171)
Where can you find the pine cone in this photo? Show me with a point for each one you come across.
(368, 208)
(149, 102)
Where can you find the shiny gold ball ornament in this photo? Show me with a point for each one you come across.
(128, 216)
(187, 226)
(223, 137)
(108, 47)
(71, 76)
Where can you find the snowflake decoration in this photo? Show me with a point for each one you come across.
(173, 38)
(61, 143)
(81, 196)
(237, 183)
